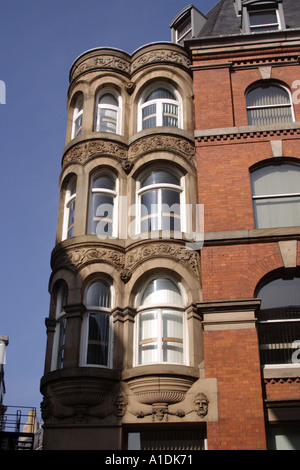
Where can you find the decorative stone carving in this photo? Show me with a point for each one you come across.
(126, 275)
(81, 152)
(120, 404)
(162, 142)
(189, 257)
(201, 404)
(127, 167)
(100, 62)
(160, 56)
(76, 258)
(130, 87)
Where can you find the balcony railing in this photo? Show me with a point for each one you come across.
(18, 427)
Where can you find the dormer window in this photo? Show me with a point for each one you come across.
(187, 24)
(258, 16)
(264, 20)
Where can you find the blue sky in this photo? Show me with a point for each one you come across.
(40, 39)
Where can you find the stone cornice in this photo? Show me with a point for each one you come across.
(162, 139)
(233, 134)
(120, 62)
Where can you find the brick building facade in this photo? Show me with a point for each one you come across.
(152, 343)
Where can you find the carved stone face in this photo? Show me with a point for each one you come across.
(201, 404)
(120, 405)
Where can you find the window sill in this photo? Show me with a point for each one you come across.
(278, 371)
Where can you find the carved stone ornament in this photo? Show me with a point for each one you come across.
(201, 404)
(81, 256)
(126, 264)
(101, 61)
(178, 145)
(183, 255)
(120, 404)
(161, 56)
(81, 152)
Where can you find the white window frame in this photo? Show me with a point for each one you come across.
(70, 199)
(270, 106)
(264, 26)
(60, 316)
(159, 102)
(85, 330)
(78, 114)
(107, 192)
(159, 308)
(271, 196)
(117, 109)
(159, 187)
(187, 21)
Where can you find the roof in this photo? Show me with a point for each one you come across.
(222, 19)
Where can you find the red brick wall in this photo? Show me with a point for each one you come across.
(232, 356)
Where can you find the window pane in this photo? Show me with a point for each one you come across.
(71, 219)
(161, 291)
(148, 325)
(98, 338)
(149, 116)
(278, 212)
(108, 99)
(104, 182)
(61, 342)
(170, 115)
(98, 295)
(160, 177)
(160, 93)
(262, 17)
(172, 352)
(280, 293)
(170, 210)
(108, 120)
(269, 104)
(149, 211)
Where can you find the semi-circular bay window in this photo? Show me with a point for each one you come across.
(269, 103)
(108, 113)
(160, 197)
(77, 117)
(97, 334)
(279, 321)
(103, 217)
(160, 323)
(160, 106)
(69, 209)
(276, 195)
(60, 330)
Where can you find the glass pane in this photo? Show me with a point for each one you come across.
(71, 219)
(108, 120)
(262, 17)
(276, 341)
(61, 342)
(103, 207)
(170, 210)
(160, 93)
(108, 99)
(160, 177)
(278, 212)
(264, 116)
(161, 291)
(98, 338)
(148, 353)
(280, 293)
(98, 295)
(282, 179)
(149, 116)
(149, 211)
(172, 352)
(78, 125)
(172, 324)
(104, 182)
(170, 115)
(148, 325)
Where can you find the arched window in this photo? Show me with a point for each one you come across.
(160, 106)
(60, 331)
(276, 195)
(97, 335)
(160, 196)
(77, 117)
(160, 325)
(69, 209)
(279, 321)
(268, 103)
(103, 219)
(108, 113)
